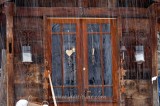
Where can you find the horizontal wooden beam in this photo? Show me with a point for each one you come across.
(81, 12)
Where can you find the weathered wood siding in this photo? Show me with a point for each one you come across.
(136, 31)
(28, 76)
(28, 30)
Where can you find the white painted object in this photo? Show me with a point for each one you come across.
(93, 50)
(73, 49)
(45, 103)
(22, 102)
(69, 52)
(139, 57)
(26, 54)
(154, 78)
(33, 104)
(52, 90)
(139, 54)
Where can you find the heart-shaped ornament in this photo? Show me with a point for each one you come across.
(69, 52)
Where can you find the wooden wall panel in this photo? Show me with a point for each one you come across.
(28, 76)
(30, 30)
(137, 32)
(136, 24)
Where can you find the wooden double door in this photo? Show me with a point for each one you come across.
(82, 56)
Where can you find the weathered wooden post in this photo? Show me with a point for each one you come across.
(153, 32)
(9, 12)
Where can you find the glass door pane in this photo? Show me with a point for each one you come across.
(70, 72)
(107, 63)
(56, 64)
(99, 59)
(94, 66)
(64, 72)
(69, 45)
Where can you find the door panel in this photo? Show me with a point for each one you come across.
(63, 59)
(82, 59)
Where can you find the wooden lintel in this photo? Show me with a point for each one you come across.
(80, 12)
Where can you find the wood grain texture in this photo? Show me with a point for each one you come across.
(31, 22)
(81, 12)
(28, 77)
(9, 66)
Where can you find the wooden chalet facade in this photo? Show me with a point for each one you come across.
(79, 42)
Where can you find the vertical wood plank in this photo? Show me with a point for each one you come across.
(119, 34)
(45, 93)
(85, 54)
(114, 58)
(9, 11)
(153, 32)
(154, 62)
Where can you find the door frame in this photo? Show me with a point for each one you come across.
(84, 84)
